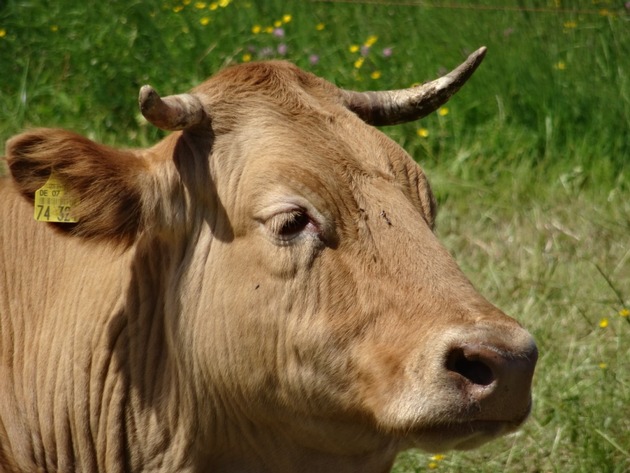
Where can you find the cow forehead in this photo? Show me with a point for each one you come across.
(329, 162)
(277, 124)
(276, 105)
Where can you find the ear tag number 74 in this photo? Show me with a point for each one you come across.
(52, 203)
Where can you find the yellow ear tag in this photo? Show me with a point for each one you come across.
(52, 203)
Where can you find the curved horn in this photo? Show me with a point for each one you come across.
(391, 107)
(175, 112)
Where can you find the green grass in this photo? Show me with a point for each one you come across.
(530, 163)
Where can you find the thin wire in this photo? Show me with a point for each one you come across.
(467, 7)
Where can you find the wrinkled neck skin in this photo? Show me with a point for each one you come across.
(87, 383)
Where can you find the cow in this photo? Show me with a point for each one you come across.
(260, 291)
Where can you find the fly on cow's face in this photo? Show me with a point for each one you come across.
(386, 218)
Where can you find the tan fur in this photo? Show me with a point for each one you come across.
(200, 339)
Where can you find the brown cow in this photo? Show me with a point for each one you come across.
(261, 291)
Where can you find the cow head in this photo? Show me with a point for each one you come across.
(306, 295)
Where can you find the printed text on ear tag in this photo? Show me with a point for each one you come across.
(52, 203)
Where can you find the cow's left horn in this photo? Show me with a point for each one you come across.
(391, 107)
(175, 112)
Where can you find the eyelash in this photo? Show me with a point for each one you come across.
(289, 225)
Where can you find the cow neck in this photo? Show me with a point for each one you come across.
(160, 418)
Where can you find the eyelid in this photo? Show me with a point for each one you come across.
(276, 205)
(287, 205)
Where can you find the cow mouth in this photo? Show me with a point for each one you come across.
(469, 435)
(464, 435)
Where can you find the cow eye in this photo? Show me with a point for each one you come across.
(288, 225)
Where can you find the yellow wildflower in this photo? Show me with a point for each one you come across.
(358, 63)
(443, 111)
(286, 18)
(54, 28)
(560, 66)
(277, 24)
(435, 459)
(224, 3)
(178, 8)
(256, 29)
(204, 21)
(3, 32)
(370, 41)
(246, 57)
(603, 323)
(423, 132)
(375, 75)
(269, 29)
(624, 312)
(200, 5)
(186, 2)
(213, 6)
(570, 25)
(354, 48)
(320, 26)
(603, 366)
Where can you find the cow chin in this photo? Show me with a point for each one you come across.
(452, 431)
(461, 436)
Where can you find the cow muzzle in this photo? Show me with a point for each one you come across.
(471, 385)
(489, 375)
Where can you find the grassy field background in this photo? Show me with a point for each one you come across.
(530, 161)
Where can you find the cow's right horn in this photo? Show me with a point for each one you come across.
(175, 112)
(390, 107)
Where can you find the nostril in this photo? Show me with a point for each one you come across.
(491, 374)
(470, 367)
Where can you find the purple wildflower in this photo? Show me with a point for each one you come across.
(313, 59)
(265, 52)
(365, 50)
(387, 52)
(282, 49)
(278, 32)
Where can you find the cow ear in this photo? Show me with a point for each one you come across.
(104, 183)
